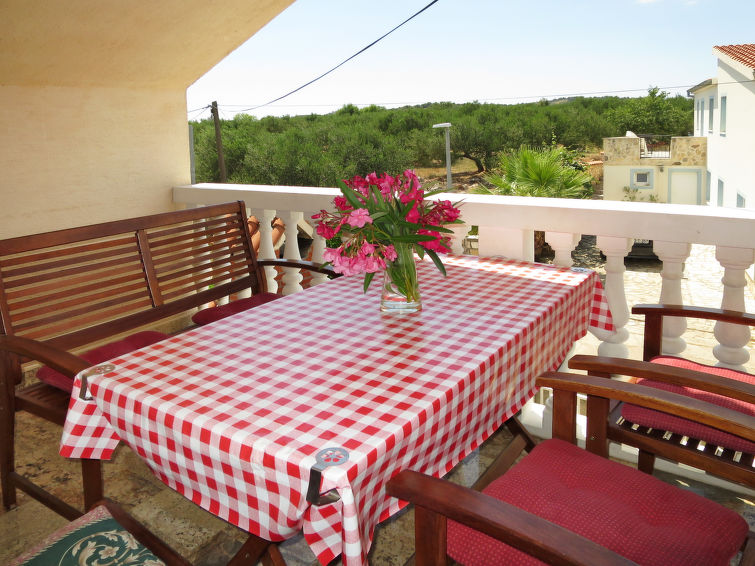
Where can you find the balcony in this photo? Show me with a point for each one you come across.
(705, 258)
(655, 146)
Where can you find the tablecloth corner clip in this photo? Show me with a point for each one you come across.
(84, 393)
(324, 459)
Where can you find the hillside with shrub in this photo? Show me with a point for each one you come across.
(319, 150)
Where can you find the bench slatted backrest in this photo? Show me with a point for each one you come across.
(77, 286)
(177, 252)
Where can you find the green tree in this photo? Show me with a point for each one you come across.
(655, 113)
(536, 172)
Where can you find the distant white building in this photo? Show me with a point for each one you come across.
(725, 114)
(655, 168)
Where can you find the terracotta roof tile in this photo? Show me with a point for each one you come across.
(744, 53)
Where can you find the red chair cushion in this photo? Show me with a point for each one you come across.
(627, 511)
(101, 354)
(664, 421)
(211, 314)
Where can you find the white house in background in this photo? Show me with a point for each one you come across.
(725, 114)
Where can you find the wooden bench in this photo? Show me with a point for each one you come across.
(63, 292)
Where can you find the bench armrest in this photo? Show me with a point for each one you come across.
(302, 264)
(60, 360)
(606, 366)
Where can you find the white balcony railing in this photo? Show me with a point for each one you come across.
(506, 227)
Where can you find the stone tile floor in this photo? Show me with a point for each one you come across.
(207, 541)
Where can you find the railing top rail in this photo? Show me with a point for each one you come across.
(653, 221)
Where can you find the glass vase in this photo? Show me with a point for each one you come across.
(400, 287)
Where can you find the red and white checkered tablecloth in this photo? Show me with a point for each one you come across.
(233, 414)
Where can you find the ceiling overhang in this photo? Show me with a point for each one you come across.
(112, 43)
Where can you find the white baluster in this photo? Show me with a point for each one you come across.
(460, 232)
(267, 251)
(318, 247)
(563, 243)
(291, 275)
(613, 343)
(730, 351)
(509, 242)
(673, 255)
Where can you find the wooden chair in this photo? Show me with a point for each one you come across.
(105, 533)
(564, 505)
(674, 438)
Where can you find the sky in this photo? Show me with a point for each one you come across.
(497, 51)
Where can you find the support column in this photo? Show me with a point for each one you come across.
(292, 275)
(318, 247)
(615, 249)
(563, 243)
(266, 247)
(673, 255)
(457, 239)
(732, 338)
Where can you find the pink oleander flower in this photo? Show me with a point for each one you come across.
(373, 212)
(389, 252)
(358, 218)
(342, 204)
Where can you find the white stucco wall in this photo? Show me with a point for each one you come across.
(731, 155)
(75, 156)
(93, 103)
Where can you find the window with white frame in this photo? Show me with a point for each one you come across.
(641, 178)
(702, 117)
(720, 197)
(722, 115)
(710, 114)
(741, 201)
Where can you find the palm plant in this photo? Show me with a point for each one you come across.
(537, 172)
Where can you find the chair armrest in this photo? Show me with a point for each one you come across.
(605, 366)
(654, 315)
(66, 363)
(523, 530)
(735, 317)
(682, 406)
(302, 264)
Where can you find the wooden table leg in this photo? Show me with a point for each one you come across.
(254, 549)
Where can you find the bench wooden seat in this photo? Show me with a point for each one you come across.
(81, 288)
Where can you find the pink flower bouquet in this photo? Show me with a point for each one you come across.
(382, 221)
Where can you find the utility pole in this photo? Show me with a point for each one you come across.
(219, 143)
(447, 127)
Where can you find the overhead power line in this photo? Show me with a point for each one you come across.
(342, 62)
(232, 107)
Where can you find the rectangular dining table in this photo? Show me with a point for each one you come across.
(321, 393)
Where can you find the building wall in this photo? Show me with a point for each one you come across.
(730, 162)
(679, 179)
(75, 156)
